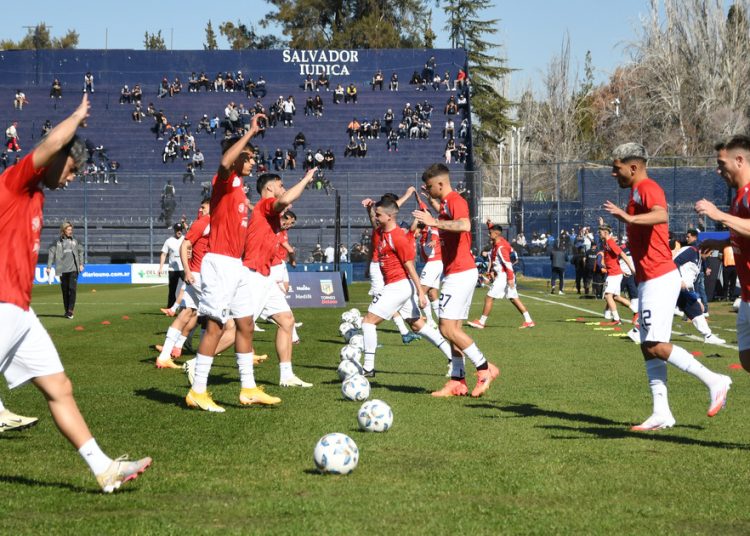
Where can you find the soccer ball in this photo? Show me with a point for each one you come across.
(358, 341)
(345, 327)
(375, 416)
(356, 388)
(347, 369)
(357, 323)
(350, 353)
(336, 453)
(351, 315)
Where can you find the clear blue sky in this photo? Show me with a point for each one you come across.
(531, 30)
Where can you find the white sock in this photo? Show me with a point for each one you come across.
(682, 359)
(483, 319)
(634, 305)
(202, 368)
(427, 311)
(615, 316)
(607, 314)
(475, 355)
(434, 336)
(247, 374)
(174, 307)
(370, 334)
(436, 308)
(2, 408)
(701, 325)
(285, 371)
(97, 461)
(458, 370)
(656, 370)
(295, 335)
(169, 343)
(180, 341)
(402, 329)
(527, 317)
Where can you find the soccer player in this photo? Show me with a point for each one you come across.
(733, 164)
(279, 272)
(26, 350)
(10, 421)
(224, 285)
(432, 271)
(459, 280)
(658, 280)
(504, 285)
(612, 255)
(260, 248)
(402, 291)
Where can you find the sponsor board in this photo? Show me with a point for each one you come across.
(92, 274)
(148, 274)
(315, 289)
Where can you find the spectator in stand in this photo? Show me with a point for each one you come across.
(436, 81)
(163, 88)
(393, 84)
(377, 80)
(175, 87)
(463, 131)
(239, 81)
(450, 149)
(351, 148)
(362, 148)
(150, 110)
(55, 91)
(300, 141)
(416, 80)
(329, 159)
(288, 108)
(137, 94)
(392, 141)
(229, 82)
(318, 106)
(353, 127)
(219, 82)
(462, 104)
(193, 83)
(309, 161)
(112, 167)
(46, 127)
(365, 130)
(451, 108)
(447, 80)
(4, 160)
(11, 138)
(290, 161)
(88, 83)
(329, 253)
(449, 130)
(351, 94)
(170, 151)
(189, 174)
(376, 128)
(462, 153)
(323, 81)
(198, 159)
(388, 120)
(19, 100)
(66, 254)
(430, 67)
(260, 90)
(309, 83)
(309, 107)
(204, 82)
(338, 94)
(278, 159)
(125, 95)
(460, 81)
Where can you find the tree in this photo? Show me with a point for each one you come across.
(350, 23)
(153, 41)
(486, 69)
(241, 36)
(39, 38)
(210, 43)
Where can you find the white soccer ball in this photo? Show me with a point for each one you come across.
(357, 323)
(336, 453)
(358, 341)
(350, 353)
(375, 416)
(356, 388)
(347, 369)
(345, 327)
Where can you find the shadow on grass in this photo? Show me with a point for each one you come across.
(12, 479)
(162, 397)
(531, 410)
(340, 342)
(618, 433)
(50, 316)
(399, 388)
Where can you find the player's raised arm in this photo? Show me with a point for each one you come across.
(60, 136)
(230, 156)
(404, 198)
(294, 193)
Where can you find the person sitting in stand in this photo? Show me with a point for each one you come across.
(351, 94)
(163, 88)
(19, 100)
(309, 161)
(189, 174)
(460, 81)
(278, 159)
(462, 103)
(463, 131)
(318, 106)
(125, 95)
(392, 141)
(388, 120)
(353, 127)
(377, 80)
(436, 81)
(450, 149)
(393, 84)
(351, 147)
(366, 129)
(451, 108)
(239, 81)
(376, 128)
(338, 94)
(219, 82)
(290, 161)
(55, 91)
(46, 127)
(450, 129)
(260, 90)
(362, 148)
(447, 80)
(462, 153)
(299, 141)
(136, 94)
(198, 159)
(309, 106)
(309, 83)
(193, 83)
(175, 87)
(323, 81)
(229, 82)
(416, 80)
(137, 114)
(329, 159)
(204, 82)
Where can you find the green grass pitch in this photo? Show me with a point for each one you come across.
(547, 451)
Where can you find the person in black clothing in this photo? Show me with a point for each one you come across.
(589, 267)
(579, 263)
(66, 254)
(300, 141)
(559, 261)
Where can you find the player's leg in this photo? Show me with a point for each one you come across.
(689, 304)
(521, 308)
(384, 305)
(433, 294)
(432, 334)
(497, 290)
(743, 334)
(282, 315)
(174, 332)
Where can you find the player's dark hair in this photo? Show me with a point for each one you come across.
(389, 205)
(435, 170)
(206, 201)
(389, 195)
(496, 227)
(290, 214)
(76, 149)
(738, 141)
(229, 142)
(265, 179)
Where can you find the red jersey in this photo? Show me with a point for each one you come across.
(280, 255)
(456, 247)
(741, 245)
(612, 257)
(500, 259)
(21, 204)
(228, 217)
(394, 249)
(198, 235)
(374, 238)
(261, 241)
(427, 252)
(649, 244)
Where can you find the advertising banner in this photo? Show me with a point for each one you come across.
(148, 274)
(315, 289)
(92, 274)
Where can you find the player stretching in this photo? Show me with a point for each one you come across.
(26, 350)
(504, 285)
(431, 253)
(658, 285)
(612, 255)
(224, 292)
(733, 164)
(260, 249)
(402, 291)
(459, 281)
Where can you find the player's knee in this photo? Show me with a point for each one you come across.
(655, 350)
(284, 320)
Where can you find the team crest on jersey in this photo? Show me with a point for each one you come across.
(36, 224)
(236, 182)
(326, 286)
(242, 207)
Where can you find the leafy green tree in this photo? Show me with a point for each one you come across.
(153, 41)
(241, 36)
(210, 43)
(39, 38)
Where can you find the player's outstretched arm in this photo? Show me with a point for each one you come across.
(229, 157)
(294, 193)
(739, 225)
(58, 137)
(404, 198)
(653, 217)
(185, 259)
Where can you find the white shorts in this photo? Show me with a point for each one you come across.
(26, 350)
(376, 279)
(657, 299)
(431, 274)
(399, 297)
(743, 326)
(456, 294)
(275, 301)
(191, 297)
(500, 288)
(613, 285)
(224, 292)
(279, 274)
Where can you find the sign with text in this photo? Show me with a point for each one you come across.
(315, 289)
(92, 274)
(148, 274)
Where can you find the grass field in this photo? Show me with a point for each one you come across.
(546, 451)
